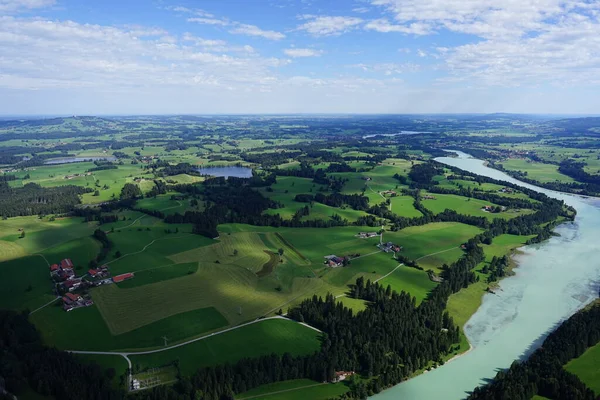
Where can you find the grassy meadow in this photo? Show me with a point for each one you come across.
(263, 337)
(297, 389)
(587, 368)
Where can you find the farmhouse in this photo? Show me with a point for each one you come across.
(66, 264)
(364, 235)
(339, 376)
(389, 193)
(72, 284)
(70, 298)
(428, 197)
(507, 190)
(334, 261)
(101, 272)
(122, 277)
(72, 301)
(389, 246)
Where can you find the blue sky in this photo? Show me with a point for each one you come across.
(288, 56)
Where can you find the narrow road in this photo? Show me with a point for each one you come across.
(438, 252)
(282, 391)
(146, 246)
(137, 353)
(388, 274)
(47, 304)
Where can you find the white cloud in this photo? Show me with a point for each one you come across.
(328, 25)
(209, 21)
(11, 6)
(237, 28)
(39, 53)
(360, 10)
(421, 53)
(296, 52)
(387, 69)
(383, 25)
(516, 42)
(252, 30)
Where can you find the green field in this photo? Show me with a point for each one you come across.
(222, 279)
(467, 206)
(286, 189)
(587, 368)
(261, 338)
(85, 329)
(106, 362)
(299, 389)
(535, 170)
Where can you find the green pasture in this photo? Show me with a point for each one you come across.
(410, 280)
(25, 283)
(539, 171)
(297, 389)
(166, 205)
(224, 279)
(587, 368)
(403, 206)
(106, 362)
(159, 274)
(286, 189)
(261, 338)
(467, 206)
(421, 241)
(85, 329)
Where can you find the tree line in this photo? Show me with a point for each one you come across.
(33, 199)
(25, 363)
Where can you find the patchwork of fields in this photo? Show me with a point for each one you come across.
(187, 286)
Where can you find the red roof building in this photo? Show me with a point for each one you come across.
(122, 277)
(93, 272)
(54, 267)
(72, 297)
(66, 264)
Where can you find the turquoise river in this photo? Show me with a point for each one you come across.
(553, 280)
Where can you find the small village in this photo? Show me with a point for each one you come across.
(73, 288)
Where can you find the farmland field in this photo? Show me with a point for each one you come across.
(261, 338)
(216, 263)
(295, 389)
(587, 368)
(85, 329)
(467, 206)
(538, 171)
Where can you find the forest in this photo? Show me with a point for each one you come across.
(26, 362)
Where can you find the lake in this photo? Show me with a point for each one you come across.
(69, 160)
(553, 280)
(393, 134)
(238, 172)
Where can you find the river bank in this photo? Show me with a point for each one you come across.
(553, 280)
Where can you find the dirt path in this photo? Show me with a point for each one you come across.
(146, 246)
(281, 391)
(47, 304)
(437, 252)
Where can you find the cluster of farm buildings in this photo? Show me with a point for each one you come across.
(73, 287)
(334, 261)
(389, 247)
(77, 175)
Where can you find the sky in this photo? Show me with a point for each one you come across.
(120, 57)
